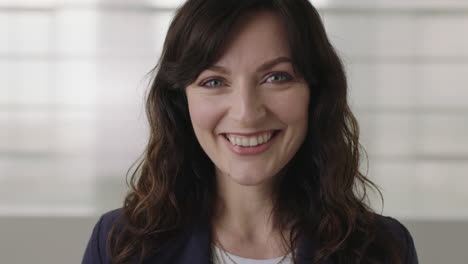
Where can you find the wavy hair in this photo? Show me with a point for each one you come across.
(324, 195)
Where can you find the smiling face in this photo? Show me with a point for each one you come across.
(249, 110)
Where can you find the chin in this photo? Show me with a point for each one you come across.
(249, 180)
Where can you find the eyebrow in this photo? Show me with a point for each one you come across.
(265, 66)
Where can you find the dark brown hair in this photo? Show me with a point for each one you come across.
(324, 194)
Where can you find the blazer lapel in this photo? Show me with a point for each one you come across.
(198, 247)
(191, 245)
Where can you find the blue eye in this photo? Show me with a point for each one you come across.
(278, 77)
(212, 83)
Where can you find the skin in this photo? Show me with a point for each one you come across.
(243, 98)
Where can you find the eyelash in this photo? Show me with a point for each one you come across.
(282, 74)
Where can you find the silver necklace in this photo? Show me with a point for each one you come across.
(229, 257)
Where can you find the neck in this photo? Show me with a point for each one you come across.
(244, 210)
(243, 221)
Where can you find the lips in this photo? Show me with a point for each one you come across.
(250, 150)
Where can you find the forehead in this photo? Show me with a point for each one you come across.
(256, 37)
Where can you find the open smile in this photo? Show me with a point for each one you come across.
(252, 145)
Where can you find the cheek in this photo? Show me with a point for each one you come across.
(204, 112)
(292, 107)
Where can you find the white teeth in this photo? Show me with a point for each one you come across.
(253, 141)
(260, 140)
(250, 141)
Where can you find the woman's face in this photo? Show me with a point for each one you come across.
(252, 89)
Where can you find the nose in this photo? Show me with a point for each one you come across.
(247, 106)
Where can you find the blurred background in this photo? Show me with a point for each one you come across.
(72, 121)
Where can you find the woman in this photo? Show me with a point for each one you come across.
(253, 155)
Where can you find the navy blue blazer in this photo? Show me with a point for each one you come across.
(193, 246)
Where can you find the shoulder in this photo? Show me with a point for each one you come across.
(396, 231)
(108, 219)
(180, 242)
(96, 250)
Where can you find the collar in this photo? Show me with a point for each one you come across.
(194, 246)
